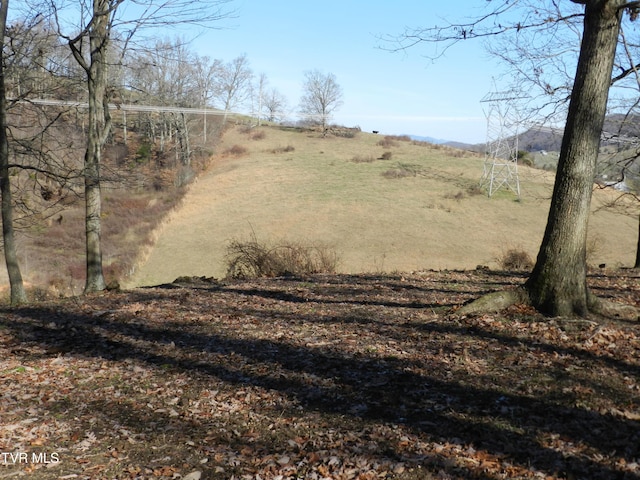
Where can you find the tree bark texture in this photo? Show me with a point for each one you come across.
(98, 128)
(557, 285)
(637, 264)
(18, 294)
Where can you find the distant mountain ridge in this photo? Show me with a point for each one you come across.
(617, 128)
(449, 143)
(419, 138)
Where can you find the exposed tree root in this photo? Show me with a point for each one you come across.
(495, 301)
(603, 307)
(498, 301)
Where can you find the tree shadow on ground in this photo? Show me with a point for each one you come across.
(421, 396)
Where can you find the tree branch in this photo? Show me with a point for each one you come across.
(452, 33)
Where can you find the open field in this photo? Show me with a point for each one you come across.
(299, 186)
(324, 377)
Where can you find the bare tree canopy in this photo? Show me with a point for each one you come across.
(538, 43)
(275, 103)
(233, 83)
(321, 96)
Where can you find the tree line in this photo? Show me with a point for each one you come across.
(165, 72)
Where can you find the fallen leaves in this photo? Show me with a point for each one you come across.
(326, 377)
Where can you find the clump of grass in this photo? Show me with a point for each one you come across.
(235, 151)
(515, 259)
(258, 135)
(288, 148)
(455, 196)
(387, 142)
(402, 170)
(255, 259)
(475, 190)
(363, 159)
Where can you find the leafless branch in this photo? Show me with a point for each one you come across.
(490, 24)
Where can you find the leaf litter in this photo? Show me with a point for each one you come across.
(322, 377)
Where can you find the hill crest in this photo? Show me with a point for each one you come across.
(417, 209)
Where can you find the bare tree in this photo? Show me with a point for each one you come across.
(18, 294)
(90, 47)
(623, 166)
(38, 168)
(205, 73)
(540, 68)
(164, 73)
(233, 83)
(167, 74)
(557, 285)
(275, 104)
(321, 96)
(95, 63)
(258, 93)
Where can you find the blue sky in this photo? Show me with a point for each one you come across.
(395, 93)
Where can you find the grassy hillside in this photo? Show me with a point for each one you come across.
(418, 209)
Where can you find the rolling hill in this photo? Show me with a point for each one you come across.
(417, 209)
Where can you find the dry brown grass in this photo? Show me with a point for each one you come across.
(375, 224)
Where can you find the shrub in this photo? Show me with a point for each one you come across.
(143, 154)
(253, 259)
(515, 259)
(524, 158)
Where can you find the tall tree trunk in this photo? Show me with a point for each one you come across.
(99, 124)
(637, 264)
(18, 294)
(557, 285)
